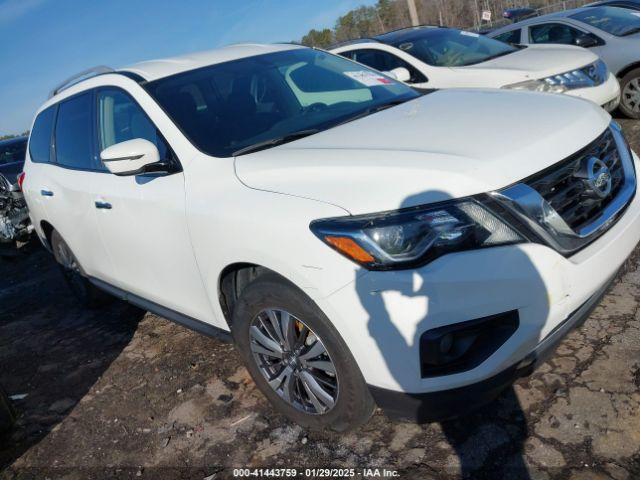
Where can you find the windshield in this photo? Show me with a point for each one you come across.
(616, 21)
(444, 47)
(229, 107)
(13, 152)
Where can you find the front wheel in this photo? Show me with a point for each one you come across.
(630, 94)
(297, 358)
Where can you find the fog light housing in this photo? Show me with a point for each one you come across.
(463, 346)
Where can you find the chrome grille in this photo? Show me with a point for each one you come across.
(566, 193)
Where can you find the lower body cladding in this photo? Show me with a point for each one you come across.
(438, 341)
(607, 95)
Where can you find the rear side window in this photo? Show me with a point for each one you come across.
(74, 146)
(554, 33)
(40, 139)
(120, 118)
(512, 37)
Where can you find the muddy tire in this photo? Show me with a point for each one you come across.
(297, 358)
(86, 293)
(630, 94)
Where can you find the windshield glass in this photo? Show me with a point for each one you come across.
(229, 107)
(444, 47)
(13, 152)
(616, 21)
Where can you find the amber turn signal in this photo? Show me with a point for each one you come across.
(350, 248)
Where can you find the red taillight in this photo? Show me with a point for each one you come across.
(21, 179)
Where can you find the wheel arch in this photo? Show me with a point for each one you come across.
(47, 230)
(627, 69)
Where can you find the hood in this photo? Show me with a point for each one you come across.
(535, 61)
(448, 144)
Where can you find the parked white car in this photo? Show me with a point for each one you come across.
(611, 33)
(435, 57)
(356, 240)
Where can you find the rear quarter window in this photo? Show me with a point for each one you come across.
(40, 139)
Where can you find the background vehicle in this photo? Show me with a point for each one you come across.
(437, 57)
(14, 215)
(610, 32)
(12, 153)
(518, 14)
(631, 4)
(15, 226)
(327, 218)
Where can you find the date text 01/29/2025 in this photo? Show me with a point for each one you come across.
(315, 473)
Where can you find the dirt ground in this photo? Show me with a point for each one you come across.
(117, 393)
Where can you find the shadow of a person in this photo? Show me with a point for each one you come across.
(402, 305)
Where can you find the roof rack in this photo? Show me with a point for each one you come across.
(78, 77)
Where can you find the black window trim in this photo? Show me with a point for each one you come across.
(176, 166)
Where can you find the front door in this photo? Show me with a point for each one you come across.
(142, 218)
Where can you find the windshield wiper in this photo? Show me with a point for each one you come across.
(272, 142)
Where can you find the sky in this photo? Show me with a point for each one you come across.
(43, 42)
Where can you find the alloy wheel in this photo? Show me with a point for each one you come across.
(294, 361)
(631, 95)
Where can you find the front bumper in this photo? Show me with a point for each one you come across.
(382, 315)
(443, 405)
(606, 95)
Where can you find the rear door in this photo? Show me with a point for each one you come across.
(66, 185)
(142, 220)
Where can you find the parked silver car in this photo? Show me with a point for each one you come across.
(612, 33)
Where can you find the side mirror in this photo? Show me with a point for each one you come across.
(401, 74)
(131, 157)
(586, 41)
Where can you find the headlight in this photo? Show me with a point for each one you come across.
(415, 236)
(590, 76)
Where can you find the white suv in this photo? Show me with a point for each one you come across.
(359, 243)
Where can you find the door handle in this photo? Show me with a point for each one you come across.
(46, 193)
(103, 205)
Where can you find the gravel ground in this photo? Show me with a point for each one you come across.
(117, 393)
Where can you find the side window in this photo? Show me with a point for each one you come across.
(40, 139)
(554, 33)
(512, 37)
(120, 118)
(385, 61)
(73, 137)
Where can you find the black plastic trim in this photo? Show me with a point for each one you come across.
(447, 404)
(164, 312)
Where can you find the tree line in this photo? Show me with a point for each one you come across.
(9, 137)
(386, 15)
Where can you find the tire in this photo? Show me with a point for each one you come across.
(352, 403)
(86, 293)
(630, 94)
